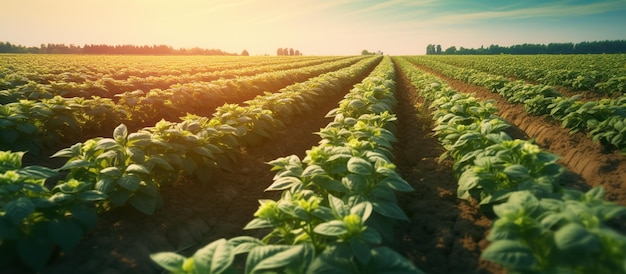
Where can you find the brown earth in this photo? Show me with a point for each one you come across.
(445, 234)
(591, 163)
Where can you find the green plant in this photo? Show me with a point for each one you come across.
(117, 166)
(567, 235)
(508, 166)
(34, 220)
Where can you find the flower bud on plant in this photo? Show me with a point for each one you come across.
(311, 204)
(529, 148)
(353, 224)
(9, 177)
(267, 210)
(89, 145)
(188, 265)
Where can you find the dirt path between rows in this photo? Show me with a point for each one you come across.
(446, 234)
(593, 164)
(193, 214)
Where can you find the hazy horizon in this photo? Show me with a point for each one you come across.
(343, 27)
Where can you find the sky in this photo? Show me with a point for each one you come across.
(314, 27)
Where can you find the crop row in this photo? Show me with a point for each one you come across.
(17, 70)
(32, 125)
(108, 87)
(337, 204)
(129, 168)
(604, 74)
(604, 119)
(540, 226)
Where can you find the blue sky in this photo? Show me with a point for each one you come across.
(315, 27)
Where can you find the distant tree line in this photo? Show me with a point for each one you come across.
(288, 52)
(366, 52)
(595, 47)
(7, 47)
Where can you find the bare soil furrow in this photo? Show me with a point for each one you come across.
(579, 154)
(445, 234)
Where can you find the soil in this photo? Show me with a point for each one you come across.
(591, 164)
(444, 235)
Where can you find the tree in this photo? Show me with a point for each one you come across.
(450, 50)
(430, 49)
(438, 49)
(245, 53)
(291, 52)
(279, 52)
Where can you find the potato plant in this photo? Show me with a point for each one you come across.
(36, 220)
(540, 226)
(573, 113)
(335, 206)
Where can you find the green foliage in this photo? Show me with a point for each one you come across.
(540, 227)
(328, 217)
(35, 220)
(118, 167)
(595, 117)
(554, 235)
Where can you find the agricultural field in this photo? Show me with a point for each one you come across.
(342, 164)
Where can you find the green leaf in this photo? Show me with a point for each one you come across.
(65, 233)
(331, 228)
(511, 254)
(517, 172)
(37, 172)
(75, 164)
(200, 150)
(284, 183)
(139, 139)
(313, 170)
(120, 133)
(272, 257)
(360, 166)
(129, 181)
(338, 206)
(216, 257)
(19, 209)
(385, 260)
(574, 237)
(161, 161)
(60, 197)
(363, 210)
(371, 236)
(329, 184)
(361, 251)
(111, 171)
(257, 223)
(244, 244)
(119, 197)
(596, 193)
(136, 155)
(26, 128)
(144, 203)
(171, 261)
(85, 216)
(397, 183)
(106, 144)
(136, 168)
(332, 263)
(109, 154)
(105, 185)
(389, 209)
